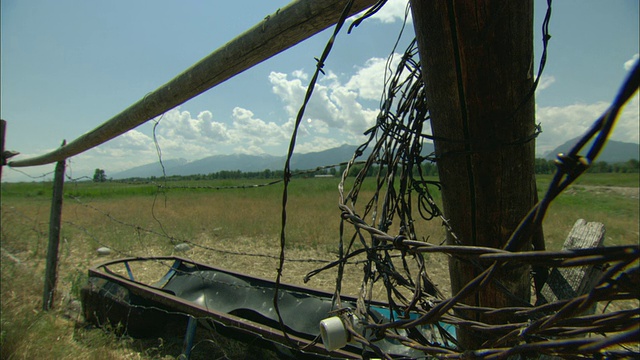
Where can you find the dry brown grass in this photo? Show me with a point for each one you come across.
(242, 221)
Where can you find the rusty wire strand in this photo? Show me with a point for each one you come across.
(557, 328)
(552, 328)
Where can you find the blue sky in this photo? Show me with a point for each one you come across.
(69, 65)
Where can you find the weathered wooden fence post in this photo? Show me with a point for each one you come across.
(3, 127)
(569, 283)
(477, 62)
(55, 219)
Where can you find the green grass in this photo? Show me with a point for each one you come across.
(590, 179)
(583, 200)
(139, 220)
(609, 179)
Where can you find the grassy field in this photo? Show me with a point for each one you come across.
(137, 220)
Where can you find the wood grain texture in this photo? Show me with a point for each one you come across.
(476, 58)
(55, 223)
(571, 282)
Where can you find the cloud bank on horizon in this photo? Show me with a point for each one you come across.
(342, 108)
(337, 114)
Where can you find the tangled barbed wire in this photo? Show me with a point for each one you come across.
(384, 231)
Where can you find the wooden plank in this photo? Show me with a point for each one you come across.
(568, 283)
(477, 67)
(55, 220)
(279, 31)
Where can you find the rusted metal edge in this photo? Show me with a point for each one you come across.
(248, 327)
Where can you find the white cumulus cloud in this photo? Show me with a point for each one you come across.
(336, 106)
(131, 140)
(392, 11)
(563, 123)
(342, 107)
(368, 80)
(545, 82)
(255, 132)
(180, 125)
(628, 65)
(628, 125)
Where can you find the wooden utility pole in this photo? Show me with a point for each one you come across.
(55, 220)
(477, 62)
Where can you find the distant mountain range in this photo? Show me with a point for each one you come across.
(244, 163)
(615, 151)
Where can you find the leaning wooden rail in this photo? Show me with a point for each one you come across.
(288, 26)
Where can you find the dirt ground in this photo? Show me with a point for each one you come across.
(302, 261)
(629, 192)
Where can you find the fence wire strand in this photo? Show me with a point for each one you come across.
(381, 235)
(384, 226)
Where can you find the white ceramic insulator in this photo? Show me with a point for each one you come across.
(333, 332)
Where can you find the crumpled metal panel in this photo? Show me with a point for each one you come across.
(238, 304)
